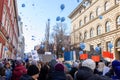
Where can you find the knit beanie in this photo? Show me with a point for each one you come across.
(32, 70)
(59, 67)
(89, 63)
(115, 63)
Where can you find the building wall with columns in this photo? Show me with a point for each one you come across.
(97, 23)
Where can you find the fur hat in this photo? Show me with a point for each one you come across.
(32, 70)
(59, 67)
(115, 63)
(89, 63)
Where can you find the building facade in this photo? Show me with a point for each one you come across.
(97, 23)
(8, 28)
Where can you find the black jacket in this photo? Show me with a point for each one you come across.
(26, 77)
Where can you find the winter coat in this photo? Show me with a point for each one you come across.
(59, 75)
(18, 72)
(8, 74)
(26, 77)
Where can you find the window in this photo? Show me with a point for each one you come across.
(118, 43)
(91, 32)
(107, 26)
(98, 11)
(85, 35)
(107, 44)
(80, 37)
(91, 16)
(80, 23)
(106, 6)
(98, 30)
(91, 47)
(118, 20)
(117, 1)
(85, 20)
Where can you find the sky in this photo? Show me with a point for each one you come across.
(35, 13)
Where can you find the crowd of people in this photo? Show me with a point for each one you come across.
(55, 70)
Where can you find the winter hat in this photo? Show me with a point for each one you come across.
(59, 67)
(32, 70)
(89, 63)
(18, 62)
(115, 63)
(117, 71)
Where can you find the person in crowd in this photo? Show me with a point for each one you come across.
(19, 70)
(116, 69)
(86, 70)
(8, 71)
(106, 68)
(99, 68)
(32, 73)
(74, 68)
(44, 73)
(68, 76)
(2, 73)
(59, 73)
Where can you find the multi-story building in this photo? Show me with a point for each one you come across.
(97, 23)
(8, 28)
(21, 40)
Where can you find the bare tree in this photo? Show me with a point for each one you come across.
(58, 36)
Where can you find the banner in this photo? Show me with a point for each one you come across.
(68, 55)
(83, 56)
(107, 54)
(96, 58)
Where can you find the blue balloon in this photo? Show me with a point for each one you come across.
(97, 49)
(81, 52)
(58, 18)
(82, 46)
(110, 45)
(48, 19)
(100, 17)
(23, 5)
(62, 19)
(77, 0)
(62, 6)
(63, 48)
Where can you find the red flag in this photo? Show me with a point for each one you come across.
(83, 56)
(96, 58)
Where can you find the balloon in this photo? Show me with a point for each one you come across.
(100, 17)
(82, 46)
(62, 6)
(23, 5)
(110, 45)
(48, 19)
(77, 0)
(33, 4)
(62, 19)
(5, 48)
(58, 18)
(97, 49)
(63, 48)
(81, 52)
